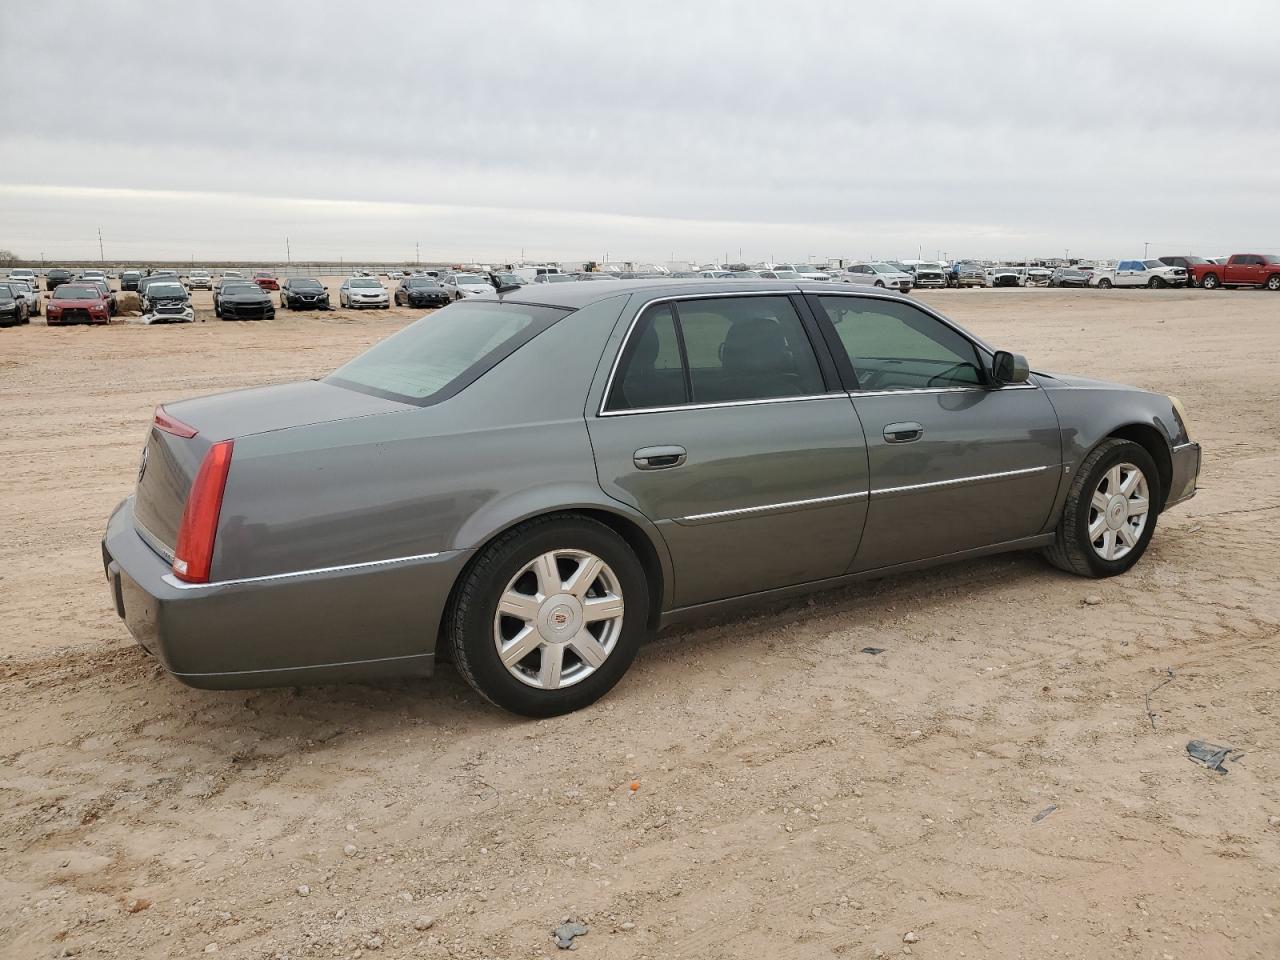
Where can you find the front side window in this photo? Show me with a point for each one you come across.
(438, 355)
(894, 346)
(734, 349)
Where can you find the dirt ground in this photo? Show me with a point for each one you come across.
(795, 798)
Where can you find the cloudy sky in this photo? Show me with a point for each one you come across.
(643, 130)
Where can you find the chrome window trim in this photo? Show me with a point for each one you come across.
(173, 581)
(858, 394)
(640, 311)
(1025, 471)
(724, 403)
(785, 505)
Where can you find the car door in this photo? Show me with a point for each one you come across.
(723, 424)
(1245, 269)
(956, 462)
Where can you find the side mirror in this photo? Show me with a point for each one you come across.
(1009, 367)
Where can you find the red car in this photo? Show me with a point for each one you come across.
(77, 303)
(1240, 270)
(266, 280)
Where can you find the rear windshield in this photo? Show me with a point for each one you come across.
(438, 355)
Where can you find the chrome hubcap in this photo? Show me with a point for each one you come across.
(558, 619)
(1118, 511)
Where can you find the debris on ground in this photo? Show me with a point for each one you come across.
(1168, 679)
(911, 937)
(1092, 600)
(1044, 813)
(564, 934)
(1212, 755)
(874, 651)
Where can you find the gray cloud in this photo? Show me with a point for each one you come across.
(571, 129)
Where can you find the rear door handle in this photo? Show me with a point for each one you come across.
(903, 432)
(659, 458)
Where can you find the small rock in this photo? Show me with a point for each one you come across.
(349, 850)
(627, 926)
(373, 943)
(1092, 600)
(564, 934)
(424, 923)
(1273, 821)
(910, 937)
(304, 890)
(210, 948)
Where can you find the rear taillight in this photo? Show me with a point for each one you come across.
(172, 425)
(193, 557)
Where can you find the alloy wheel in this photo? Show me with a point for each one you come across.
(558, 619)
(1118, 511)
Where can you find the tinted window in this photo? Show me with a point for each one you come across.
(650, 373)
(66, 292)
(894, 346)
(438, 355)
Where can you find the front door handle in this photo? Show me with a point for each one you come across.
(903, 432)
(659, 458)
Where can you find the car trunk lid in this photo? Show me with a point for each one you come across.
(183, 432)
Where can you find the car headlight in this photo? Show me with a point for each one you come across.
(1180, 411)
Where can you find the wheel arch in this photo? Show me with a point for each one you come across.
(636, 530)
(1153, 441)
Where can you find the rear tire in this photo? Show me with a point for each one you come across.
(1074, 550)
(1273, 282)
(1104, 284)
(474, 626)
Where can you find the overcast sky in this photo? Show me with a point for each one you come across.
(643, 130)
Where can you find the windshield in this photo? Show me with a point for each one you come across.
(884, 268)
(509, 278)
(362, 284)
(166, 290)
(1154, 264)
(439, 354)
(807, 270)
(305, 284)
(68, 292)
(419, 283)
(556, 278)
(5, 293)
(469, 278)
(239, 286)
(786, 275)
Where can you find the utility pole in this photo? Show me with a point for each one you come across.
(417, 258)
(288, 252)
(101, 259)
(1145, 245)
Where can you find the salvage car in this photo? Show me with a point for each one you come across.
(25, 291)
(242, 300)
(77, 303)
(701, 445)
(199, 280)
(13, 310)
(129, 279)
(1069, 277)
(928, 273)
(167, 301)
(424, 292)
(27, 274)
(266, 280)
(55, 277)
(966, 273)
(1138, 273)
(459, 286)
(303, 293)
(877, 275)
(1007, 276)
(359, 292)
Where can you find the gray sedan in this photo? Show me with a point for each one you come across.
(533, 481)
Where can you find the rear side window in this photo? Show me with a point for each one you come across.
(894, 346)
(437, 356)
(718, 350)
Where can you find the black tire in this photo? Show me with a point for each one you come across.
(1155, 283)
(469, 627)
(1104, 284)
(1072, 550)
(1273, 282)
(880, 284)
(1211, 281)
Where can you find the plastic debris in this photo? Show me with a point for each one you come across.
(874, 651)
(1044, 813)
(1211, 755)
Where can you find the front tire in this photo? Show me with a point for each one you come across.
(1210, 281)
(1155, 283)
(1110, 513)
(549, 616)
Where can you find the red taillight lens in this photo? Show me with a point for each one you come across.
(172, 425)
(194, 555)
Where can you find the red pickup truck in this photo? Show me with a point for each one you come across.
(1240, 270)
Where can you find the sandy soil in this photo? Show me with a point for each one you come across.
(796, 798)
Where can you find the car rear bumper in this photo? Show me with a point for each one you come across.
(336, 624)
(1186, 472)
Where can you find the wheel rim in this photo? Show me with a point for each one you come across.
(558, 619)
(1118, 511)
(1273, 283)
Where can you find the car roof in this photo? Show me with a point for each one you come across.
(578, 294)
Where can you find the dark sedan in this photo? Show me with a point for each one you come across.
(303, 293)
(242, 300)
(1068, 277)
(690, 446)
(13, 310)
(56, 277)
(421, 292)
(129, 279)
